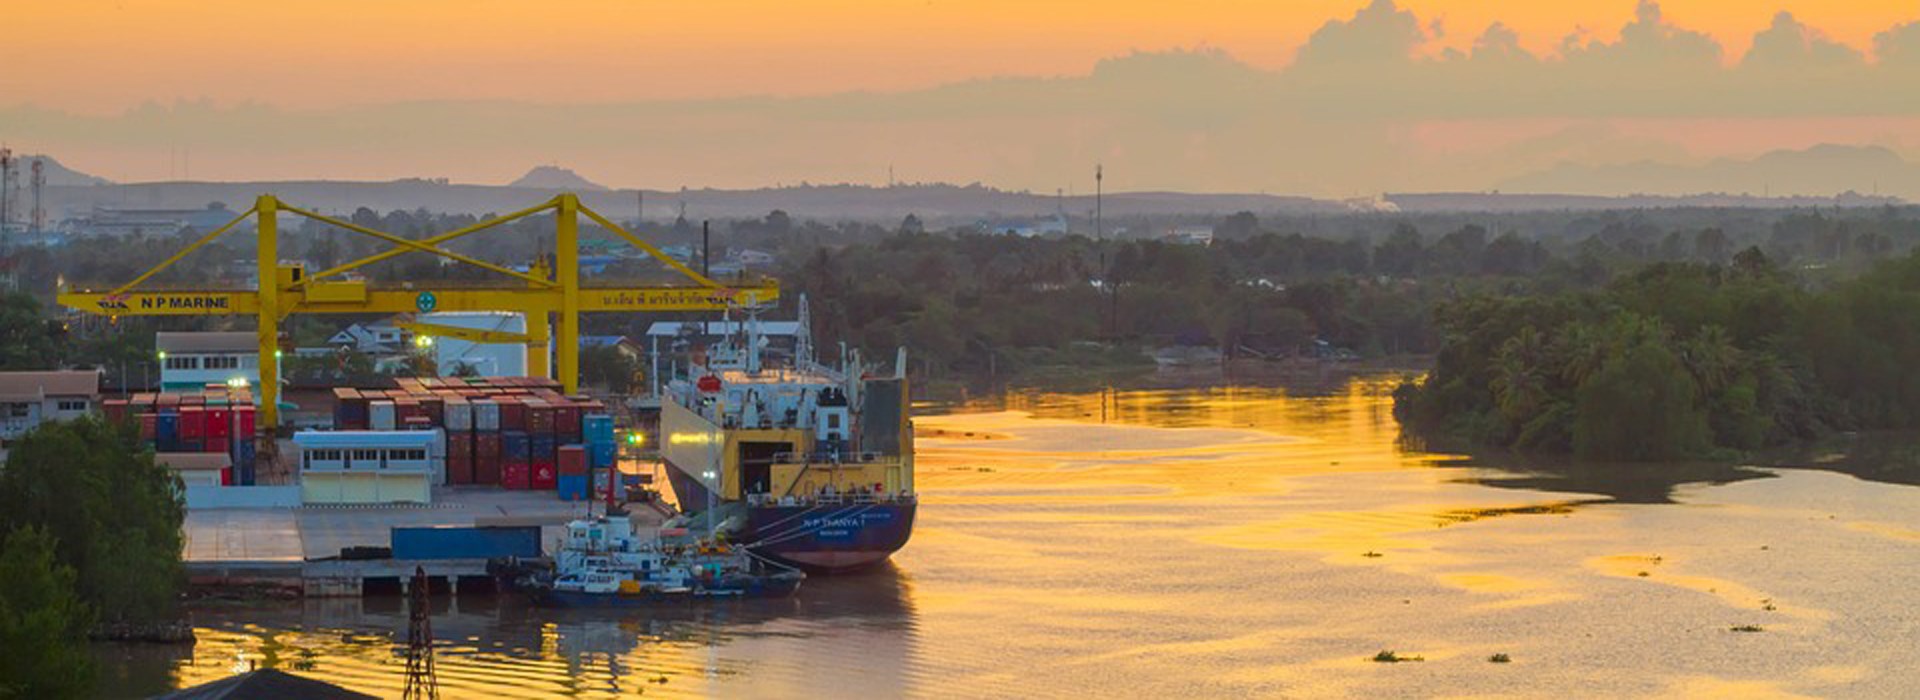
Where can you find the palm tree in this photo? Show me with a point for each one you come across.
(1712, 359)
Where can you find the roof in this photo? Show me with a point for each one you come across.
(308, 439)
(35, 386)
(193, 461)
(220, 341)
(264, 683)
(767, 328)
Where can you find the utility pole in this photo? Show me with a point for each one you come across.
(706, 250)
(39, 182)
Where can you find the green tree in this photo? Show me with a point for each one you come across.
(27, 340)
(607, 365)
(115, 513)
(43, 623)
(1640, 407)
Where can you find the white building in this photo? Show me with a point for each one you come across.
(189, 361)
(364, 466)
(378, 338)
(28, 399)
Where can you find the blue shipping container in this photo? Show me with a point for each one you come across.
(454, 542)
(514, 445)
(600, 456)
(575, 487)
(544, 447)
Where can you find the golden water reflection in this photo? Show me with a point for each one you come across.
(1233, 542)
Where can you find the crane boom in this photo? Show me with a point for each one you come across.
(284, 289)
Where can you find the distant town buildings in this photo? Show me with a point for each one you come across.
(28, 399)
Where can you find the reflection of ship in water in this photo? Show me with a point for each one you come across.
(804, 463)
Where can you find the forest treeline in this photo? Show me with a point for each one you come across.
(974, 305)
(1675, 360)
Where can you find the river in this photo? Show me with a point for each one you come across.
(1229, 542)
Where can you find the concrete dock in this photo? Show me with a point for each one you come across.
(298, 547)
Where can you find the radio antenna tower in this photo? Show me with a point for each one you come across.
(421, 683)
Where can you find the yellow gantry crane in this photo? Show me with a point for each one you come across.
(286, 289)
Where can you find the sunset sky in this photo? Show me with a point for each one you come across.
(124, 89)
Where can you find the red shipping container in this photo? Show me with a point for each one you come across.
(226, 476)
(147, 422)
(460, 458)
(219, 422)
(217, 445)
(544, 476)
(115, 410)
(486, 468)
(243, 422)
(513, 414)
(434, 408)
(193, 423)
(515, 475)
(573, 460)
(566, 421)
(539, 417)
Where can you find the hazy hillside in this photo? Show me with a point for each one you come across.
(1820, 171)
(551, 177)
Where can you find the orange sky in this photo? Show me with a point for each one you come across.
(98, 56)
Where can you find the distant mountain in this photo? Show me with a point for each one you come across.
(1821, 171)
(549, 177)
(57, 175)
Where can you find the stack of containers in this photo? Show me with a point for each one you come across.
(486, 442)
(458, 415)
(515, 467)
(349, 409)
(543, 444)
(597, 429)
(218, 419)
(192, 427)
(574, 481)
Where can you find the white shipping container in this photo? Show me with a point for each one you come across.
(380, 415)
(486, 416)
(458, 415)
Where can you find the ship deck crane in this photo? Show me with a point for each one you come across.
(284, 289)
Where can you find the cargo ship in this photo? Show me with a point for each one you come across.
(804, 463)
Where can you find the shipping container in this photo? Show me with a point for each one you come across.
(514, 474)
(193, 424)
(601, 456)
(542, 447)
(459, 457)
(513, 414)
(486, 415)
(574, 487)
(454, 542)
(514, 445)
(566, 422)
(539, 418)
(456, 414)
(243, 426)
(382, 415)
(543, 475)
(166, 431)
(486, 465)
(572, 459)
(219, 423)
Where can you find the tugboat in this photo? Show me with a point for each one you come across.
(602, 564)
(803, 463)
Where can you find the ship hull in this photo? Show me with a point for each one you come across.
(830, 539)
(774, 586)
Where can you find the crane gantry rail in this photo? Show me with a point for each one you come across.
(284, 289)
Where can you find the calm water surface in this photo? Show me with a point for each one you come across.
(1224, 543)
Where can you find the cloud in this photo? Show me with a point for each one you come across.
(1346, 118)
(1790, 46)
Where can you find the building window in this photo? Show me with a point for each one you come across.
(16, 410)
(222, 362)
(183, 362)
(72, 406)
(367, 458)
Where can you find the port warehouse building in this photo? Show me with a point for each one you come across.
(370, 466)
(190, 361)
(28, 399)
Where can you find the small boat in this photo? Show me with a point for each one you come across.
(601, 563)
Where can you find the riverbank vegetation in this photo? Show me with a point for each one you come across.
(1676, 360)
(92, 539)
